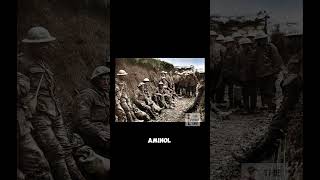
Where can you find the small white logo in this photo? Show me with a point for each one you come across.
(192, 119)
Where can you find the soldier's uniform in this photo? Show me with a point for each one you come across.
(49, 129)
(125, 101)
(92, 119)
(216, 57)
(120, 113)
(150, 102)
(246, 76)
(228, 75)
(199, 98)
(141, 102)
(31, 159)
(159, 96)
(268, 64)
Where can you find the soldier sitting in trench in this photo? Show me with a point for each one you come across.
(140, 100)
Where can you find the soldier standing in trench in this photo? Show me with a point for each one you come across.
(228, 69)
(31, 159)
(92, 112)
(268, 65)
(216, 58)
(49, 128)
(246, 75)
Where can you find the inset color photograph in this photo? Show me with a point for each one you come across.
(160, 89)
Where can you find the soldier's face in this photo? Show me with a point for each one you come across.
(103, 81)
(122, 78)
(39, 49)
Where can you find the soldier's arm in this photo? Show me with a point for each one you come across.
(84, 116)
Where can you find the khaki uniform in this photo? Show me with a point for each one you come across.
(92, 119)
(49, 128)
(31, 159)
(150, 102)
(141, 102)
(125, 101)
(267, 66)
(247, 77)
(216, 57)
(120, 114)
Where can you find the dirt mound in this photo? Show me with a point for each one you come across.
(82, 39)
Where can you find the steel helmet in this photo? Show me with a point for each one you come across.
(251, 34)
(220, 38)
(261, 35)
(99, 71)
(160, 83)
(244, 41)
(228, 39)
(122, 73)
(236, 35)
(213, 33)
(146, 80)
(140, 84)
(38, 35)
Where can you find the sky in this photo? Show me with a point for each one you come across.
(279, 10)
(198, 63)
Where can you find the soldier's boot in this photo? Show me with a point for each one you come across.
(60, 170)
(73, 168)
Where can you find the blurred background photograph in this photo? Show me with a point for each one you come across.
(256, 94)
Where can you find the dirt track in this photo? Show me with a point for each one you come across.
(176, 114)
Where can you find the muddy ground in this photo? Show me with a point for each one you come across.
(234, 134)
(176, 114)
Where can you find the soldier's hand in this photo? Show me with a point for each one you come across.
(105, 136)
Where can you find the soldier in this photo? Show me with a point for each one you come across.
(31, 159)
(216, 55)
(268, 65)
(168, 97)
(228, 70)
(148, 94)
(123, 96)
(92, 117)
(199, 98)
(220, 40)
(159, 96)
(50, 132)
(119, 112)
(237, 36)
(246, 75)
(141, 101)
(251, 35)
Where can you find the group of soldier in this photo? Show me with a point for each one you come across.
(251, 64)
(147, 103)
(47, 148)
